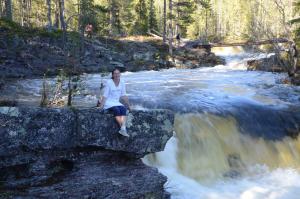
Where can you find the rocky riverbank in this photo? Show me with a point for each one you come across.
(29, 53)
(275, 63)
(68, 153)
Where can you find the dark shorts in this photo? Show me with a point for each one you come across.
(118, 110)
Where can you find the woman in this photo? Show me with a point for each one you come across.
(114, 91)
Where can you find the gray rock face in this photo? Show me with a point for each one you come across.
(149, 131)
(44, 129)
(269, 64)
(67, 153)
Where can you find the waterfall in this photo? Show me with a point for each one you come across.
(209, 155)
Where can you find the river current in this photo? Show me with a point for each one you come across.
(231, 126)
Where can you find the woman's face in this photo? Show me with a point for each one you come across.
(116, 75)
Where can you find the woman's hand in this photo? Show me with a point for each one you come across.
(129, 108)
(99, 104)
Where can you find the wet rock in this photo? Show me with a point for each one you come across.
(270, 64)
(195, 58)
(236, 166)
(295, 79)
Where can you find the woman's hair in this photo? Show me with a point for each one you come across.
(112, 72)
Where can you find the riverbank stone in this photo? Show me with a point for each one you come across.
(77, 153)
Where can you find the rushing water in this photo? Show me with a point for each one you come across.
(230, 124)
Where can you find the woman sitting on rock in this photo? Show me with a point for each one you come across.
(114, 91)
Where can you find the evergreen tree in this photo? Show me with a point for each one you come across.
(126, 16)
(114, 19)
(141, 18)
(152, 16)
(88, 13)
(184, 9)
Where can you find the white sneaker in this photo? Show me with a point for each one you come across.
(123, 132)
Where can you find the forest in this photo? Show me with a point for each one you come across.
(207, 20)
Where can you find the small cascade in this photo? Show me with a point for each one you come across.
(209, 155)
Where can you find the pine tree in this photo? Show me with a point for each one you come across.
(152, 16)
(207, 8)
(141, 18)
(114, 20)
(184, 9)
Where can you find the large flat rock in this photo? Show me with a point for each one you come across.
(78, 153)
(37, 129)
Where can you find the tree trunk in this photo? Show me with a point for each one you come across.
(170, 29)
(56, 20)
(70, 91)
(27, 11)
(81, 28)
(111, 18)
(62, 20)
(1, 8)
(8, 9)
(49, 15)
(206, 24)
(177, 20)
(165, 21)
(21, 5)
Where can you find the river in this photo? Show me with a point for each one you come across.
(231, 126)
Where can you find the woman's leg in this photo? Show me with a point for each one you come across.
(120, 116)
(120, 120)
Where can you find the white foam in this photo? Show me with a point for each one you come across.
(260, 183)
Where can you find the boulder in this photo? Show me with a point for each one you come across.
(77, 153)
(195, 58)
(48, 129)
(295, 79)
(270, 64)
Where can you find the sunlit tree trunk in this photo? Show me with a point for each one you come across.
(165, 21)
(56, 18)
(27, 11)
(49, 14)
(177, 19)
(170, 29)
(21, 5)
(206, 24)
